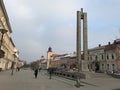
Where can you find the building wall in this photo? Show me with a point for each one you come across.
(7, 45)
(111, 60)
(68, 61)
(96, 55)
(117, 51)
(105, 57)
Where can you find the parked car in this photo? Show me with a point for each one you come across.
(116, 74)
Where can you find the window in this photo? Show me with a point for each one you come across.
(102, 66)
(113, 66)
(88, 66)
(112, 56)
(107, 57)
(102, 57)
(107, 66)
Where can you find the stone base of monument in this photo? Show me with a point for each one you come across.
(85, 70)
(87, 74)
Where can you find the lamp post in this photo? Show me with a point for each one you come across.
(3, 31)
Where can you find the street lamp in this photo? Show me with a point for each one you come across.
(3, 31)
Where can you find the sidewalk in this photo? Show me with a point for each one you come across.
(24, 80)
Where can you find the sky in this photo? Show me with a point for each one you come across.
(40, 24)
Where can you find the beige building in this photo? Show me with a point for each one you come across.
(10, 56)
(105, 58)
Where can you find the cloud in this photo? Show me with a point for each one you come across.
(38, 24)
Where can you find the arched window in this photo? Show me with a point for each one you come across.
(112, 56)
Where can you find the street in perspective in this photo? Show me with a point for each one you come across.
(25, 80)
(59, 45)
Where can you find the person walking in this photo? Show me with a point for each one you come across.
(36, 73)
(18, 69)
(12, 68)
(50, 70)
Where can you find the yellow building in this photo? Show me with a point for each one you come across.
(8, 52)
(49, 54)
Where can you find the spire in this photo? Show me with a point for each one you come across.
(49, 49)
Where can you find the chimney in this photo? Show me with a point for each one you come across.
(108, 43)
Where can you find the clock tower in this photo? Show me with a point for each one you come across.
(49, 54)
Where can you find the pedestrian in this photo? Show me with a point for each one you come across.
(36, 73)
(18, 69)
(50, 70)
(12, 68)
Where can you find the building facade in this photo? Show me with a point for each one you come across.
(7, 46)
(105, 58)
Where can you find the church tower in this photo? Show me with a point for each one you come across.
(49, 54)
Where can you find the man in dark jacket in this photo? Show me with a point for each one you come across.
(36, 73)
(50, 70)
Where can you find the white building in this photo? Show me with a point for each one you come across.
(105, 58)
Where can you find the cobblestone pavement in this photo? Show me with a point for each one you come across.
(24, 80)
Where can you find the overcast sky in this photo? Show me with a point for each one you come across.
(38, 24)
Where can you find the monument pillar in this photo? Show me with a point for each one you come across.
(78, 49)
(83, 64)
(85, 43)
